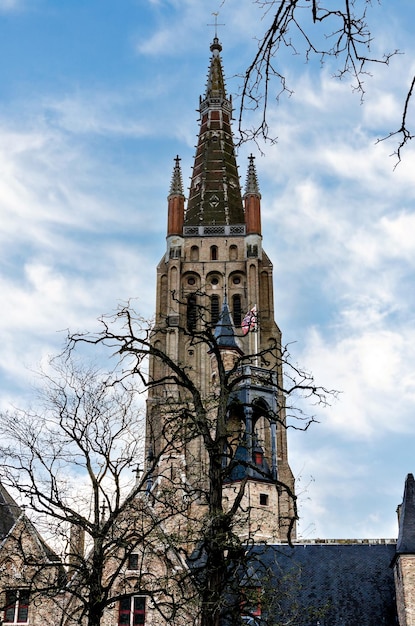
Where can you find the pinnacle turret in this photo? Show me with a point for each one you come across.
(176, 186)
(252, 200)
(175, 215)
(251, 185)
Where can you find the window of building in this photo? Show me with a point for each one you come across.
(263, 499)
(194, 253)
(252, 251)
(132, 611)
(175, 252)
(191, 313)
(213, 253)
(16, 609)
(214, 309)
(132, 561)
(236, 309)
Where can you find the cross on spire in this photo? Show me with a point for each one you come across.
(216, 24)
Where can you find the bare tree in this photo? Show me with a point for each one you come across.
(210, 538)
(339, 31)
(72, 459)
(75, 463)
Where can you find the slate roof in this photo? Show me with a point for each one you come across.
(330, 584)
(225, 330)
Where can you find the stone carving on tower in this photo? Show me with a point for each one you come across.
(216, 276)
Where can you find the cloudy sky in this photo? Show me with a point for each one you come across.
(96, 99)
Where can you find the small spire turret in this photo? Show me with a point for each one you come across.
(175, 217)
(176, 187)
(251, 185)
(252, 200)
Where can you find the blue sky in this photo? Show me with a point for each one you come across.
(96, 99)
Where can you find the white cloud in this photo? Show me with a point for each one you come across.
(370, 368)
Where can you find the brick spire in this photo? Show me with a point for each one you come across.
(175, 217)
(215, 193)
(252, 200)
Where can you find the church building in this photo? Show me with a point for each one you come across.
(215, 324)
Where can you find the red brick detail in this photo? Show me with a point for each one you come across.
(252, 214)
(175, 219)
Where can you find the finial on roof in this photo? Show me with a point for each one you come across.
(215, 45)
(176, 187)
(251, 185)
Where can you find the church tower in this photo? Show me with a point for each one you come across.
(215, 272)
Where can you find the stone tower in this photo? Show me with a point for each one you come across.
(215, 272)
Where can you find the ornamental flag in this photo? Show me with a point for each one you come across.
(250, 321)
